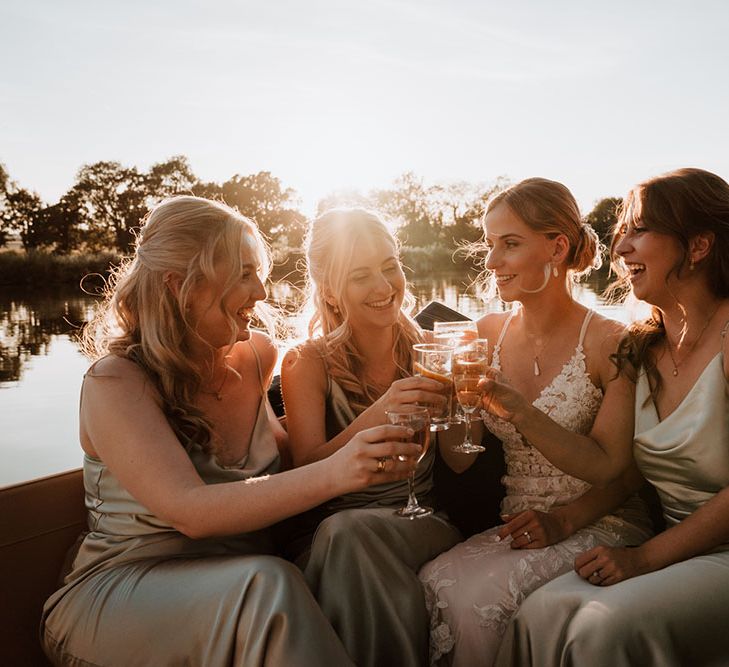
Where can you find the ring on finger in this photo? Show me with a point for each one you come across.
(381, 461)
(528, 536)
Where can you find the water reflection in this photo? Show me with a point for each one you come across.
(30, 320)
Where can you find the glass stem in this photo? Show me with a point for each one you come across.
(412, 500)
(467, 440)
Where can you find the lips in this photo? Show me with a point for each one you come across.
(381, 305)
(505, 278)
(635, 269)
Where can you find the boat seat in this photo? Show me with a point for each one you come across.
(39, 521)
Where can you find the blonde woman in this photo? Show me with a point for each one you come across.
(357, 364)
(554, 355)
(181, 466)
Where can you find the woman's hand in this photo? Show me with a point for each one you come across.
(414, 390)
(533, 529)
(501, 399)
(374, 456)
(604, 566)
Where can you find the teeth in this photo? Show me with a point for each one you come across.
(635, 268)
(501, 279)
(381, 304)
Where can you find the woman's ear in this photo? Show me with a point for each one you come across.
(700, 246)
(560, 249)
(173, 281)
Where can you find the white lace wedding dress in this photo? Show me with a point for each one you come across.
(473, 590)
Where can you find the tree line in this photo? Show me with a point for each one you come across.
(104, 206)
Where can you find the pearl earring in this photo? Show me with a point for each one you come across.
(555, 273)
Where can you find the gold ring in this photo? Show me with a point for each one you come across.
(381, 464)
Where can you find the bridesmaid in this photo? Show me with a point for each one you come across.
(667, 601)
(556, 355)
(181, 466)
(356, 365)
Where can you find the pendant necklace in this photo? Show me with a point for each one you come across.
(537, 370)
(669, 345)
(218, 394)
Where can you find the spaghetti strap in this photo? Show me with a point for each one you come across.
(258, 366)
(505, 327)
(583, 330)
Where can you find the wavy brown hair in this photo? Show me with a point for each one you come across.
(141, 319)
(681, 204)
(331, 242)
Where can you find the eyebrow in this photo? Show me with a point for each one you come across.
(505, 236)
(366, 268)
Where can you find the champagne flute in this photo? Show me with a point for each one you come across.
(418, 419)
(471, 358)
(434, 361)
(469, 392)
(454, 333)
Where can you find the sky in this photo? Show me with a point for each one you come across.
(332, 95)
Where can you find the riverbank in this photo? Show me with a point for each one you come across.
(38, 269)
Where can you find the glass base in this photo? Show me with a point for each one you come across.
(468, 448)
(440, 426)
(413, 511)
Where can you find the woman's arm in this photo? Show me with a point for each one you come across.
(702, 531)
(545, 528)
(123, 424)
(304, 383)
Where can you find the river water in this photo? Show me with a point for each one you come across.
(41, 366)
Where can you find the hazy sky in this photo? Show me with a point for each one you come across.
(329, 94)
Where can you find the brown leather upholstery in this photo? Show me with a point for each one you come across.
(39, 521)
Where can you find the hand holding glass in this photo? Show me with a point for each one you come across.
(469, 392)
(418, 419)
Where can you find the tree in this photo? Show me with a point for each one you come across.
(262, 198)
(20, 213)
(604, 217)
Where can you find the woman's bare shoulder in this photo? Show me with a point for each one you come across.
(304, 356)
(114, 366)
(604, 333)
(491, 324)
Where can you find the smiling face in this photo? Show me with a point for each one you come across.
(651, 259)
(374, 286)
(221, 308)
(517, 254)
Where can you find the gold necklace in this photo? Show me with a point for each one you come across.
(218, 394)
(669, 345)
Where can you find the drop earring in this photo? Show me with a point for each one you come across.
(555, 272)
(692, 266)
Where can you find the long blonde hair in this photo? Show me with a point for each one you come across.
(142, 319)
(331, 243)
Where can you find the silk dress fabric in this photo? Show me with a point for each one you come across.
(473, 590)
(361, 560)
(140, 593)
(676, 616)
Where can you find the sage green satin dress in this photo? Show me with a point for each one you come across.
(141, 593)
(361, 561)
(675, 616)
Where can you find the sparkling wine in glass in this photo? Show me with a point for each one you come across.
(418, 419)
(469, 392)
(454, 333)
(432, 360)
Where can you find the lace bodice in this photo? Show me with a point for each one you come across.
(571, 400)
